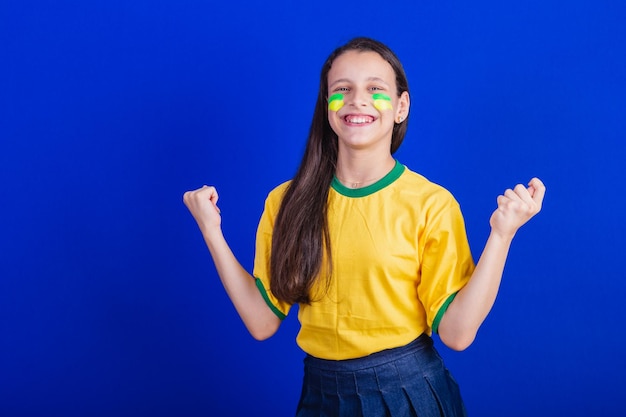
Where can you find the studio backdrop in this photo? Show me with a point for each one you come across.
(110, 110)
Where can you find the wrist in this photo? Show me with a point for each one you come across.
(211, 232)
(501, 237)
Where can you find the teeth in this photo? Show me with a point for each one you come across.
(359, 119)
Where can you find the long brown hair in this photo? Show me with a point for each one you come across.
(301, 238)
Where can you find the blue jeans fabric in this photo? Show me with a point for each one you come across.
(407, 381)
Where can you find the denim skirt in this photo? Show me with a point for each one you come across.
(407, 381)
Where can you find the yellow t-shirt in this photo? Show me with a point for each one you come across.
(400, 254)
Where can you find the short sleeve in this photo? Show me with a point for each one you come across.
(263, 253)
(447, 263)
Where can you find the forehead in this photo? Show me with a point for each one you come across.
(361, 65)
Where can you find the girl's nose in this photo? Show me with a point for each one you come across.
(359, 99)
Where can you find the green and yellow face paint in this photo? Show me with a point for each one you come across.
(335, 102)
(382, 102)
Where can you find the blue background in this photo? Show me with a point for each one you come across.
(110, 110)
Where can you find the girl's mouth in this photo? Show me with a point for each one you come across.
(358, 119)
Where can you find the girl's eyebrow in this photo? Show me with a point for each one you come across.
(369, 79)
(377, 79)
(341, 80)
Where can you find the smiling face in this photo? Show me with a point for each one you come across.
(369, 106)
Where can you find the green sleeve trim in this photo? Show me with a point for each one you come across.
(441, 312)
(272, 307)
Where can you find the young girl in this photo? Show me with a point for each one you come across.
(375, 255)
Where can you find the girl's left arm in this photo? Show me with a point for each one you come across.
(468, 310)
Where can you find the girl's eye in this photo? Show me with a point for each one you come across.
(341, 89)
(375, 88)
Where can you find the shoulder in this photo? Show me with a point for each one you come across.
(277, 193)
(274, 198)
(417, 186)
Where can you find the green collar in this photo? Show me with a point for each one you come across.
(393, 175)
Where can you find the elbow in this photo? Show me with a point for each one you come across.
(261, 335)
(458, 341)
(458, 345)
(458, 335)
(263, 331)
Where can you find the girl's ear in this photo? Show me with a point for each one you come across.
(402, 110)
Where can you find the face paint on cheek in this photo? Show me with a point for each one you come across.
(335, 102)
(382, 102)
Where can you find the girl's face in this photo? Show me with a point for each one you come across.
(363, 102)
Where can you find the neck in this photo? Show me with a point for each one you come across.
(356, 170)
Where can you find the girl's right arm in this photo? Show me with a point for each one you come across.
(240, 286)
